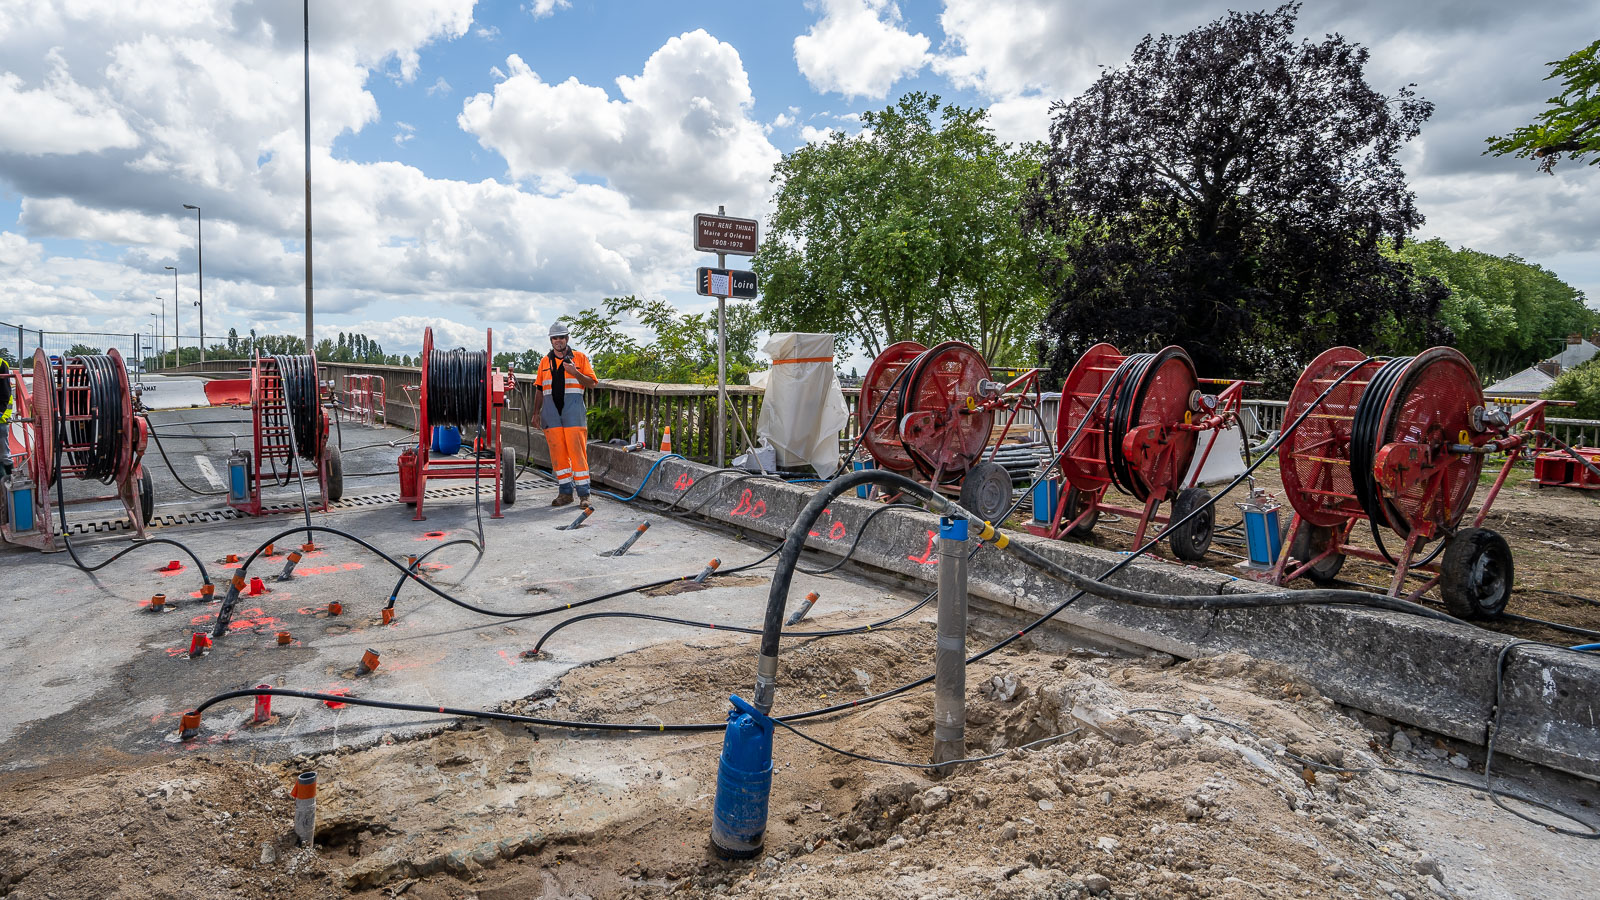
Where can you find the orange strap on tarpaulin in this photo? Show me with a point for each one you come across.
(779, 362)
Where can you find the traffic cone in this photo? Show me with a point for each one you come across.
(666, 439)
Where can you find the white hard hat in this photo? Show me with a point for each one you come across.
(558, 330)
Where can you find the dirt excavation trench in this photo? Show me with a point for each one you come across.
(1201, 802)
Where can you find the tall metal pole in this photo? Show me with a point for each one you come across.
(306, 13)
(200, 262)
(177, 345)
(722, 364)
(950, 655)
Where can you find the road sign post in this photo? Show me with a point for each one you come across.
(723, 234)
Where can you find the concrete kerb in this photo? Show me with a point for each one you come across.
(1430, 674)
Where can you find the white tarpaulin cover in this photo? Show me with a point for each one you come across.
(804, 409)
(1226, 460)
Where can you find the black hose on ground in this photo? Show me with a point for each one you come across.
(1312, 597)
(174, 469)
(737, 629)
(409, 572)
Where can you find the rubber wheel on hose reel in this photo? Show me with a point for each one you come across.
(1476, 576)
(1309, 541)
(1191, 540)
(333, 471)
(147, 496)
(1074, 508)
(987, 491)
(508, 478)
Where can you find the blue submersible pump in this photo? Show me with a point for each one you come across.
(744, 782)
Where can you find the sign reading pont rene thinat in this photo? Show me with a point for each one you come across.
(725, 234)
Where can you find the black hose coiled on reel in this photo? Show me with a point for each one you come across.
(1364, 444)
(1365, 440)
(299, 377)
(457, 380)
(103, 435)
(1120, 408)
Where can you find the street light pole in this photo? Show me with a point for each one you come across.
(200, 261)
(306, 20)
(177, 345)
(157, 328)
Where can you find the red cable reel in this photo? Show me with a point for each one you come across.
(932, 412)
(1399, 445)
(86, 403)
(281, 402)
(483, 395)
(1140, 436)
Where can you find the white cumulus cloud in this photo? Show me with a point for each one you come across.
(681, 135)
(542, 8)
(59, 116)
(859, 48)
(201, 103)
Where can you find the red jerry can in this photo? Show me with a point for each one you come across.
(408, 475)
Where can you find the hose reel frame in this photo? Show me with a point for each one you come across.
(929, 413)
(445, 401)
(1139, 418)
(76, 420)
(288, 420)
(1400, 446)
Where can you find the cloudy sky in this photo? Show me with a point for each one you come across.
(503, 163)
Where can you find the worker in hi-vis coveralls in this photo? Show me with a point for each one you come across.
(558, 393)
(8, 408)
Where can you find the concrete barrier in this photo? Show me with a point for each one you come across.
(1430, 674)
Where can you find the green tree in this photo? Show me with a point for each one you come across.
(278, 344)
(1572, 123)
(1581, 384)
(906, 231)
(1505, 312)
(682, 348)
(525, 362)
(82, 350)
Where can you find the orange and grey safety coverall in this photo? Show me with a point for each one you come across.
(565, 421)
(8, 409)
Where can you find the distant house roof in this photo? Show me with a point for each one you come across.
(1575, 355)
(1527, 383)
(1531, 382)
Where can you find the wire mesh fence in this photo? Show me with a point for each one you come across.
(143, 351)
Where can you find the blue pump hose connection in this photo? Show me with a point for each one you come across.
(744, 782)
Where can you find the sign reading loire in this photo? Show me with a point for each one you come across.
(725, 283)
(725, 234)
